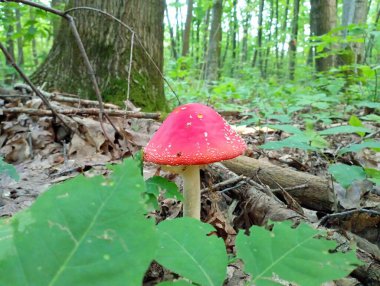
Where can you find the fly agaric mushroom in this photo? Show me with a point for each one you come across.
(193, 135)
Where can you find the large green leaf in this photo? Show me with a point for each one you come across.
(8, 170)
(186, 249)
(360, 146)
(82, 232)
(344, 129)
(295, 141)
(293, 255)
(345, 174)
(287, 128)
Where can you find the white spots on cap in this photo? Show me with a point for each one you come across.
(193, 142)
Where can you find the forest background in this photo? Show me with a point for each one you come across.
(304, 74)
(233, 54)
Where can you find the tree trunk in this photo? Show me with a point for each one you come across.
(234, 37)
(20, 50)
(258, 52)
(213, 55)
(9, 30)
(276, 40)
(293, 40)
(172, 39)
(246, 25)
(108, 45)
(324, 19)
(354, 12)
(205, 46)
(284, 28)
(34, 42)
(269, 39)
(186, 33)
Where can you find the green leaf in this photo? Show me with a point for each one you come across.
(345, 174)
(287, 128)
(157, 183)
(294, 255)
(371, 117)
(370, 104)
(358, 147)
(186, 249)
(86, 231)
(373, 173)
(291, 142)
(355, 121)
(283, 118)
(8, 170)
(344, 129)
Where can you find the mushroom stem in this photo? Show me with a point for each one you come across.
(191, 192)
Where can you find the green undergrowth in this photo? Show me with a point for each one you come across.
(94, 231)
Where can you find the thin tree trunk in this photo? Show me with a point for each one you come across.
(197, 40)
(324, 14)
(205, 43)
(293, 40)
(20, 50)
(173, 43)
(9, 42)
(266, 60)
(186, 32)
(284, 28)
(276, 40)
(258, 52)
(34, 42)
(246, 25)
(234, 37)
(213, 55)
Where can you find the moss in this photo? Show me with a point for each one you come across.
(142, 93)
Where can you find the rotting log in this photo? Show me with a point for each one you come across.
(316, 193)
(79, 111)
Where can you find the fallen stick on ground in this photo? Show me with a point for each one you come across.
(316, 194)
(79, 111)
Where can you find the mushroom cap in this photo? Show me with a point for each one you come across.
(193, 134)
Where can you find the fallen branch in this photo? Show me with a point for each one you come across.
(316, 193)
(10, 93)
(79, 111)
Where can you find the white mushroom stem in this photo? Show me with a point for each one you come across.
(191, 192)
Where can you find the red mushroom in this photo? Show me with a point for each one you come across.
(193, 135)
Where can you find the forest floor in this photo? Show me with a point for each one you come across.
(265, 184)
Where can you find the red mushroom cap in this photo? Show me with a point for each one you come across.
(193, 134)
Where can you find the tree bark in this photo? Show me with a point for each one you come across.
(258, 52)
(108, 45)
(354, 12)
(186, 32)
(293, 40)
(234, 37)
(213, 55)
(246, 25)
(316, 193)
(20, 50)
(9, 15)
(171, 33)
(324, 19)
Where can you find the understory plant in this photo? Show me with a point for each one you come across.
(94, 231)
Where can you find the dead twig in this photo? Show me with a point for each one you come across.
(34, 88)
(81, 111)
